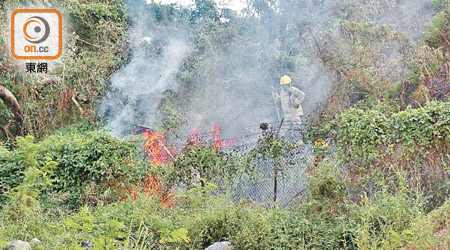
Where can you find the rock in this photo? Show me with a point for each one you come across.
(19, 245)
(35, 241)
(224, 245)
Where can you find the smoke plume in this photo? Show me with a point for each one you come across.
(234, 65)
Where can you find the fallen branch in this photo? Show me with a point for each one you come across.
(75, 101)
(444, 38)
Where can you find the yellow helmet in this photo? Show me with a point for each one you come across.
(285, 80)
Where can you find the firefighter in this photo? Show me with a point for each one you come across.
(291, 99)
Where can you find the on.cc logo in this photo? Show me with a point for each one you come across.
(39, 26)
(36, 34)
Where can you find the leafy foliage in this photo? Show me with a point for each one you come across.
(79, 160)
(383, 221)
(385, 188)
(205, 162)
(368, 135)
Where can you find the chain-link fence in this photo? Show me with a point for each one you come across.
(280, 180)
(277, 153)
(284, 186)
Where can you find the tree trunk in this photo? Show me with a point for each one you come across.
(11, 102)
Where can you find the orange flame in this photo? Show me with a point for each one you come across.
(154, 187)
(154, 146)
(158, 154)
(215, 136)
(218, 142)
(194, 139)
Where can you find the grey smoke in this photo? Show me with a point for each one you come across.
(158, 51)
(233, 80)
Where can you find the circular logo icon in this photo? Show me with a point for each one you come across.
(36, 30)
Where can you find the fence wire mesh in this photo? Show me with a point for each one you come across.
(282, 182)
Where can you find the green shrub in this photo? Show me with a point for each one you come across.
(430, 231)
(438, 29)
(383, 220)
(326, 183)
(207, 162)
(365, 136)
(82, 159)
